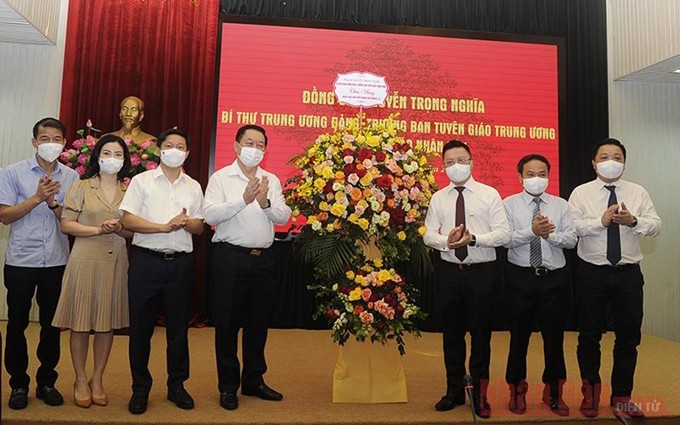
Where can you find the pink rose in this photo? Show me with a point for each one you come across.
(150, 165)
(135, 160)
(78, 143)
(90, 141)
(145, 144)
(366, 294)
(366, 317)
(80, 170)
(82, 158)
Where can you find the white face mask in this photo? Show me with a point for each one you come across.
(535, 185)
(110, 165)
(50, 151)
(458, 173)
(609, 169)
(250, 157)
(173, 158)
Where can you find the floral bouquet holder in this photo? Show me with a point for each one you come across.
(359, 202)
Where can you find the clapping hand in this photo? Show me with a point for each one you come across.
(179, 221)
(623, 217)
(542, 226)
(608, 215)
(458, 236)
(252, 190)
(47, 188)
(110, 226)
(263, 189)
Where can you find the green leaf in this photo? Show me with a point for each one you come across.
(330, 254)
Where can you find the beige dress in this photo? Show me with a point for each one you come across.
(94, 289)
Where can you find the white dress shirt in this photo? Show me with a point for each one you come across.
(152, 197)
(520, 211)
(248, 226)
(587, 204)
(484, 218)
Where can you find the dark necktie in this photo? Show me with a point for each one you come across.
(613, 237)
(535, 255)
(462, 252)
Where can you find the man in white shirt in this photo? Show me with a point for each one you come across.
(610, 215)
(163, 207)
(243, 202)
(466, 222)
(537, 282)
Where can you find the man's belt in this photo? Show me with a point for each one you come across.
(253, 252)
(161, 254)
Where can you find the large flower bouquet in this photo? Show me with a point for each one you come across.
(143, 156)
(359, 186)
(372, 302)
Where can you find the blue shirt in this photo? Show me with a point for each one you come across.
(520, 211)
(35, 240)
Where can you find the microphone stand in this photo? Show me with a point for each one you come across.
(468, 389)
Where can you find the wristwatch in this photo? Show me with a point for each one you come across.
(473, 240)
(634, 223)
(269, 204)
(54, 206)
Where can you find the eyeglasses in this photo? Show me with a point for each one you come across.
(452, 161)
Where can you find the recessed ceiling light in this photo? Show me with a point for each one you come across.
(676, 71)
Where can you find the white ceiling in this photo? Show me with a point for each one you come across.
(661, 72)
(29, 21)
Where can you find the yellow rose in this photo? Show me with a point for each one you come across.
(373, 141)
(378, 262)
(330, 228)
(323, 206)
(366, 179)
(312, 219)
(363, 223)
(319, 183)
(350, 275)
(360, 280)
(401, 236)
(422, 230)
(353, 218)
(384, 275)
(327, 172)
(355, 295)
(337, 209)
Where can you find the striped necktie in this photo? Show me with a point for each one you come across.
(535, 255)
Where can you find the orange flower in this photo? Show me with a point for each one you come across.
(322, 216)
(358, 309)
(367, 193)
(339, 175)
(390, 203)
(356, 194)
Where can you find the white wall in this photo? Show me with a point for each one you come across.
(646, 118)
(30, 89)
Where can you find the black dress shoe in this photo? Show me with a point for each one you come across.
(228, 400)
(18, 399)
(49, 395)
(181, 398)
(137, 404)
(449, 401)
(264, 392)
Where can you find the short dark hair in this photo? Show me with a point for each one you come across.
(93, 164)
(170, 132)
(456, 144)
(534, 156)
(49, 122)
(241, 131)
(609, 141)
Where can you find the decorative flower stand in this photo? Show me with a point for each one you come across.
(368, 372)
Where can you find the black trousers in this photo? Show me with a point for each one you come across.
(244, 286)
(622, 287)
(464, 303)
(152, 280)
(544, 298)
(21, 284)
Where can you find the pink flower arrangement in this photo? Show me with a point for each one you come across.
(143, 156)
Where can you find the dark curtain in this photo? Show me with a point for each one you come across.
(583, 112)
(161, 51)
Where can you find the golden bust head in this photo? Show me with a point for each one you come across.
(131, 114)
